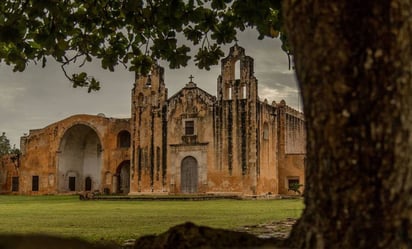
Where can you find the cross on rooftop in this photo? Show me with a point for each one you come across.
(191, 78)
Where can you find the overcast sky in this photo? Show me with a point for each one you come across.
(40, 96)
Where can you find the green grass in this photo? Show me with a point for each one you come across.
(120, 220)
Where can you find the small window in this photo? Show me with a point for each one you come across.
(293, 182)
(35, 183)
(72, 183)
(123, 139)
(244, 92)
(15, 184)
(190, 127)
(237, 70)
(294, 185)
(149, 81)
(88, 184)
(229, 93)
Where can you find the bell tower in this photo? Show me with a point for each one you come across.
(237, 118)
(237, 81)
(149, 132)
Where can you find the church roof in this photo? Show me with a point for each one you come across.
(192, 85)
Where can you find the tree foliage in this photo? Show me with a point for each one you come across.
(5, 147)
(133, 33)
(295, 187)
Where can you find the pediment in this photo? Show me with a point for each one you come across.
(191, 100)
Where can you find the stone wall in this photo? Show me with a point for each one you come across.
(9, 168)
(292, 172)
(62, 155)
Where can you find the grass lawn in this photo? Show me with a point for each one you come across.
(120, 220)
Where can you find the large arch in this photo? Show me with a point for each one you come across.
(123, 177)
(80, 159)
(189, 175)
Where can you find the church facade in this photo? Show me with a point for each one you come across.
(190, 143)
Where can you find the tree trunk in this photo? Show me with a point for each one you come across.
(354, 63)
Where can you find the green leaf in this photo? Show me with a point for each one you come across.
(35, 45)
(193, 35)
(218, 4)
(208, 56)
(141, 64)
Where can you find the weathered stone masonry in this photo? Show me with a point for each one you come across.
(192, 142)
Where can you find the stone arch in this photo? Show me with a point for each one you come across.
(123, 139)
(189, 173)
(123, 177)
(237, 66)
(80, 157)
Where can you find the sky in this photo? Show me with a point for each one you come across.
(40, 96)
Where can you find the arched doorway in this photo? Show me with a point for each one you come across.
(123, 177)
(189, 175)
(88, 184)
(80, 156)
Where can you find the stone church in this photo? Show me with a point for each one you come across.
(189, 143)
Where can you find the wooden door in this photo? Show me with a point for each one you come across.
(189, 175)
(72, 183)
(88, 184)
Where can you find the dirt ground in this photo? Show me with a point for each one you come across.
(275, 229)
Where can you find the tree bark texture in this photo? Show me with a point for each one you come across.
(353, 60)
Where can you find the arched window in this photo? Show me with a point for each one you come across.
(229, 93)
(149, 81)
(237, 70)
(244, 92)
(123, 177)
(123, 139)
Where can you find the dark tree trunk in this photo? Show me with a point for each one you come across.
(354, 60)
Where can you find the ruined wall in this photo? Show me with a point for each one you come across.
(295, 131)
(291, 147)
(9, 166)
(267, 172)
(68, 149)
(292, 171)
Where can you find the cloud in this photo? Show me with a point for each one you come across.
(9, 96)
(41, 96)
